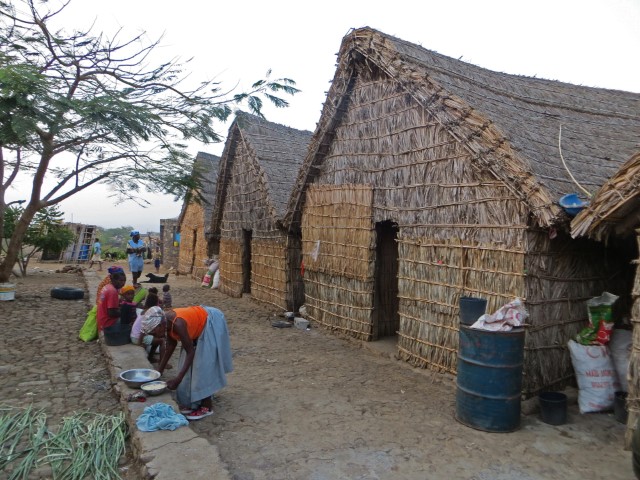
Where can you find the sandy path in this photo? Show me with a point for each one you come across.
(309, 405)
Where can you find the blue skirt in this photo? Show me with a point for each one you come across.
(211, 363)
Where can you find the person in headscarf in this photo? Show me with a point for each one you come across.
(109, 302)
(149, 342)
(128, 312)
(107, 280)
(205, 357)
(136, 249)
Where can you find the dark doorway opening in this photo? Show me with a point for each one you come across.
(295, 282)
(386, 320)
(193, 250)
(246, 261)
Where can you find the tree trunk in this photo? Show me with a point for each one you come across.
(13, 249)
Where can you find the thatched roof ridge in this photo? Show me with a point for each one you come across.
(206, 166)
(510, 124)
(279, 151)
(615, 209)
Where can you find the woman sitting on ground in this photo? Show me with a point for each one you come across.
(201, 370)
(108, 312)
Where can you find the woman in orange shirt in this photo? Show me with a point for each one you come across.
(205, 357)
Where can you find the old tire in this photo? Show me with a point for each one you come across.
(67, 293)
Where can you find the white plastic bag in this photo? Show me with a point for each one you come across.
(216, 279)
(213, 267)
(511, 315)
(315, 253)
(620, 348)
(596, 376)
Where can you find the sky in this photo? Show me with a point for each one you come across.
(586, 42)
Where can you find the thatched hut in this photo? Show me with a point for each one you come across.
(613, 216)
(428, 179)
(259, 165)
(195, 218)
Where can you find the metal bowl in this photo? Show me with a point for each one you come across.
(135, 377)
(154, 388)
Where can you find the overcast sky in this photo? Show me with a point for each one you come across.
(587, 42)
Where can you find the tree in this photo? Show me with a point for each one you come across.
(82, 109)
(46, 232)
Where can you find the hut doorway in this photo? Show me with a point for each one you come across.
(193, 250)
(246, 260)
(295, 290)
(386, 320)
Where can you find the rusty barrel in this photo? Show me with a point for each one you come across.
(489, 379)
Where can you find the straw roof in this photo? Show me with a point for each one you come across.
(615, 209)
(510, 124)
(205, 165)
(279, 152)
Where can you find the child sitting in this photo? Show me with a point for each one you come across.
(154, 291)
(166, 297)
(127, 306)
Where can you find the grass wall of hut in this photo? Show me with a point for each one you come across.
(461, 232)
(231, 280)
(169, 246)
(193, 244)
(561, 275)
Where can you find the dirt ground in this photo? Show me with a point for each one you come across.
(307, 404)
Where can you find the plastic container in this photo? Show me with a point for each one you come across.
(553, 408)
(471, 309)
(300, 323)
(572, 204)
(7, 291)
(620, 411)
(118, 334)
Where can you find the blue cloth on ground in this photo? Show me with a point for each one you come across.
(160, 416)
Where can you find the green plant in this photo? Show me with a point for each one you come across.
(46, 231)
(79, 109)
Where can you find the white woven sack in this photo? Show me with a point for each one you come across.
(596, 376)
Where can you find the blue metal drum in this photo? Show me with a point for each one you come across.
(489, 379)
